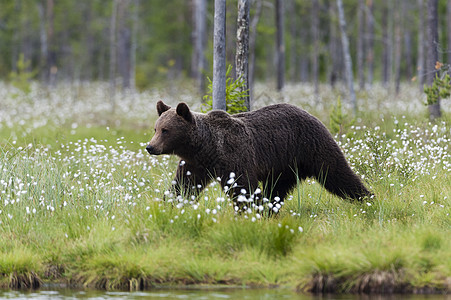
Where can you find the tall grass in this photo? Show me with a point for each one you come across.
(87, 210)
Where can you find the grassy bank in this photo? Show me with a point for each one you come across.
(81, 204)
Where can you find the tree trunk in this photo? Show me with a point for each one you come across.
(43, 41)
(408, 52)
(398, 46)
(421, 46)
(432, 53)
(113, 55)
(200, 40)
(387, 39)
(135, 19)
(369, 42)
(51, 53)
(242, 48)
(315, 51)
(123, 43)
(360, 44)
(293, 26)
(219, 53)
(448, 20)
(336, 55)
(347, 56)
(252, 37)
(280, 45)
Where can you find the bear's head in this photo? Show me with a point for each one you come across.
(171, 129)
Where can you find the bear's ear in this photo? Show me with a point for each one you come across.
(184, 112)
(161, 107)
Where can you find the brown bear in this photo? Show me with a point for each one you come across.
(278, 145)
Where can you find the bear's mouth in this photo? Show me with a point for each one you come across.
(152, 150)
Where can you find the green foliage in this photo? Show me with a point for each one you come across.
(89, 211)
(234, 94)
(339, 123)
(440, 89)
(21, 78)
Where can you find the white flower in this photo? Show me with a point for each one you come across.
(242, 198)
(232, 175)
(300, 229)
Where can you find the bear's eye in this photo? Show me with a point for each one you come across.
(164, 131)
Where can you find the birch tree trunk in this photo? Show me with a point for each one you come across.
(293, 26)
(336, 55)
(200, 41)
(43, 41)
(397, 46)
(280, 45)
(432, 53)
(448, 24)
(315, 51)
(360, 44)
(113, 55)
(252, 37)
(135, 20)
(387, 19)
(123, 42)
(421, 46)
(369, 42)
(219, 53)
(51, 53)
(242, 48)
(347, 56)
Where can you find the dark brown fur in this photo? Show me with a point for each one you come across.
(276, 145)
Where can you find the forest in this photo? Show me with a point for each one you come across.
(147, 43)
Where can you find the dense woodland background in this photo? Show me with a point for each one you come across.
(137, 43)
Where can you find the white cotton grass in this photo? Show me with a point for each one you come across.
(103, 176)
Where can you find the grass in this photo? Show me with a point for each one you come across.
(80, 203)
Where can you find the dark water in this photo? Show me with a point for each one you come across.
(207, 294)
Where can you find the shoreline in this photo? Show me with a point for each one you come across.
(379, 283)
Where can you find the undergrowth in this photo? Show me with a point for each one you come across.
(89, 212)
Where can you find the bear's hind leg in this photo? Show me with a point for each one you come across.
(345, 184)
(277, 191)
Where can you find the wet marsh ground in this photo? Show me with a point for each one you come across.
(81, 200)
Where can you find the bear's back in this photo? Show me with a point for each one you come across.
(279, 117)
(283, 133)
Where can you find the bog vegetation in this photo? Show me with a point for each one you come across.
(81, 201)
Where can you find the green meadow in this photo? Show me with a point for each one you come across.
(81, 200)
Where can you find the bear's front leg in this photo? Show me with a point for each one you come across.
(189, 180)
(240, 189)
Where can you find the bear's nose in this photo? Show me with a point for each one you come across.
(150, 149)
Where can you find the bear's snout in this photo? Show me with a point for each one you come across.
(150, 149)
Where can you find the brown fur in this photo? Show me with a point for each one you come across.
(277, 145)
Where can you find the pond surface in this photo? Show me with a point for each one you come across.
(206, 294)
